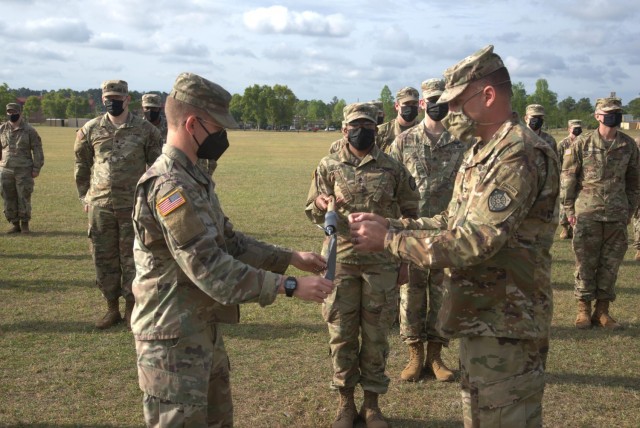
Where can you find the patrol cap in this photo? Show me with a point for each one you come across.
(206, 95)
(534, 110)
(357, 111)
(151, 100)
(472, 68)
(574, 122)
(14, 106)
(115, 87)
(379, 106)
(407, 94)
(432, 88)
(608, 104)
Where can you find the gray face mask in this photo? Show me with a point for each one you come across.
(461, 126)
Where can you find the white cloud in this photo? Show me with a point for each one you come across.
(280, 20)
(107, 41)
(44, 53)
(57, 29)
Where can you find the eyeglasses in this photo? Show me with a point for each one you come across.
(215, 125)
(366, 125)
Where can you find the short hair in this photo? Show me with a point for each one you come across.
(500, 80)
(177, 111)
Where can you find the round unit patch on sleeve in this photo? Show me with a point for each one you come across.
(499, 200)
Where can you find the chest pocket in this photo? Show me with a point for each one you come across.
(592, 164)
(383, 184)
(344, 186)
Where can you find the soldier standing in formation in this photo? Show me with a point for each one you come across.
(192, 268)
(534, 118)
(432, 156)
(601, 179)
(21, 159)
(362, 307)
(575, 129)
(112, 151)
(152, 109)
(407, 107)
(495, 240)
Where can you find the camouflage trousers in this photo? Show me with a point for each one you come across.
(16, 187)
(185, 381)
(502, 382)
(599, 248)
(564, 220)
(111, 234)
(362, 306)
(416, 323)
(636, 230)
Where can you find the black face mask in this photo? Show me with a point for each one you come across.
(361, 138)
(14, 117)
(409, 113)
(535, 123)
(437, 112)
(576, 131)
(213, 146)
(380, 120)
(114, 107)
(612, 119)
(151, 115)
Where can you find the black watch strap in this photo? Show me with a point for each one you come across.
(290, 285)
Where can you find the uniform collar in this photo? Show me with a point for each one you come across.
(480, 151)
(180, 157)
(347, 157)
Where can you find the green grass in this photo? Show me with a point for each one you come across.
(57, 370)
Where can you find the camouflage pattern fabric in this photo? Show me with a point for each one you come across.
(387, 133)
(21, 156)
(417, 321)
(162, 127)
(207, 165)
(337, 145)
(563, 147)
(549, 140)
(502, 382)
(636, 230)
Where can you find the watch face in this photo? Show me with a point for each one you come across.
(290, 284)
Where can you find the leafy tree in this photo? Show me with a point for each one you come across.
(77, 107)
(337, 114)
(633, 107)
(6, 95)
(236, 106)
(254, 105)
(549, 100)
(31, 106)
(388, 102)
(280, 102)
(54, 104)
(519, 98)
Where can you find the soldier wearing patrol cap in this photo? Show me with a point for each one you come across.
(406, 105)
(380, 107)
(495, 239)
(362, 307)
(534, 118)
(152, 109)
(601, 192)
(192, 268)
(112, 151)
(574, 126)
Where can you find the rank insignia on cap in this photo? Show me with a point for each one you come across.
(170, 202)
(499, 200)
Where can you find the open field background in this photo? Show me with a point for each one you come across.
(56, 370)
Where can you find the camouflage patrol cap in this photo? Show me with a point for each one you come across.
(379, 106)
(432, 88)
(151, 100)
(14, 106)
(534, 110)
(472, 68)
(608, 104)
(115, 87)
(407, 94)
(357, 111)
(206, 95)
(574, 122)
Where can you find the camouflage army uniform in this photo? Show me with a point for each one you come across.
(363, 302)
(601, 189)
(563, 147)
(109, 162)
(433, 165)
(207, 165)
(154, 101)
(387, 133)
(636, 224)
(192, 269)
(20, 157)
(337, 145)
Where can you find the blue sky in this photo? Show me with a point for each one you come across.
(350, 49)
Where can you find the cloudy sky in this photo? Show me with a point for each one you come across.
(320, 49)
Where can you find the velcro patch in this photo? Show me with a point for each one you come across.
(169, 203)
(567, 152)
(499, 200)
(509, 188)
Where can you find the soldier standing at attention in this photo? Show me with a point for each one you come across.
(362, 307)
(192, 268)
(21, 159)
(112, 152)
(601, 178)
(152, 108)
(494, 239)
(575, 129)
(534, 118)
(407, 107)
(433, 157)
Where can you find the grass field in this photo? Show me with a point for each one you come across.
(57, 370)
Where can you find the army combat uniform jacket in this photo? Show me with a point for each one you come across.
(600, 179)
(550, 141)
(191, 266)
(494, 239)
(387, 133)
(21, 148)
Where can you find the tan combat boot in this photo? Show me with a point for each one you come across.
(15, 228)
(347, 412)
(583, 320)
(128, 310)
(602, 318)
(112, 317)
(566, 232)
(435, 363)
(370, 412)
(637, 257)
(24, 227)
(412, 372)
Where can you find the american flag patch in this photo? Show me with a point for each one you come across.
(170, 203)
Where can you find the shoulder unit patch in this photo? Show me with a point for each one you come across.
(499, 200)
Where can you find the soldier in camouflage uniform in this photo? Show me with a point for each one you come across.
(192, 268)
(406, 105)
(112, 152)
(601, 179)
(534, 118)
(21, 159)
(575, 129)
(380, 107)
(636, 224)
(361, 178)
(152, 109)
(494, 241)
(433, 157)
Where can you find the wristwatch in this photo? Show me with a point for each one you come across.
(290, 285)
